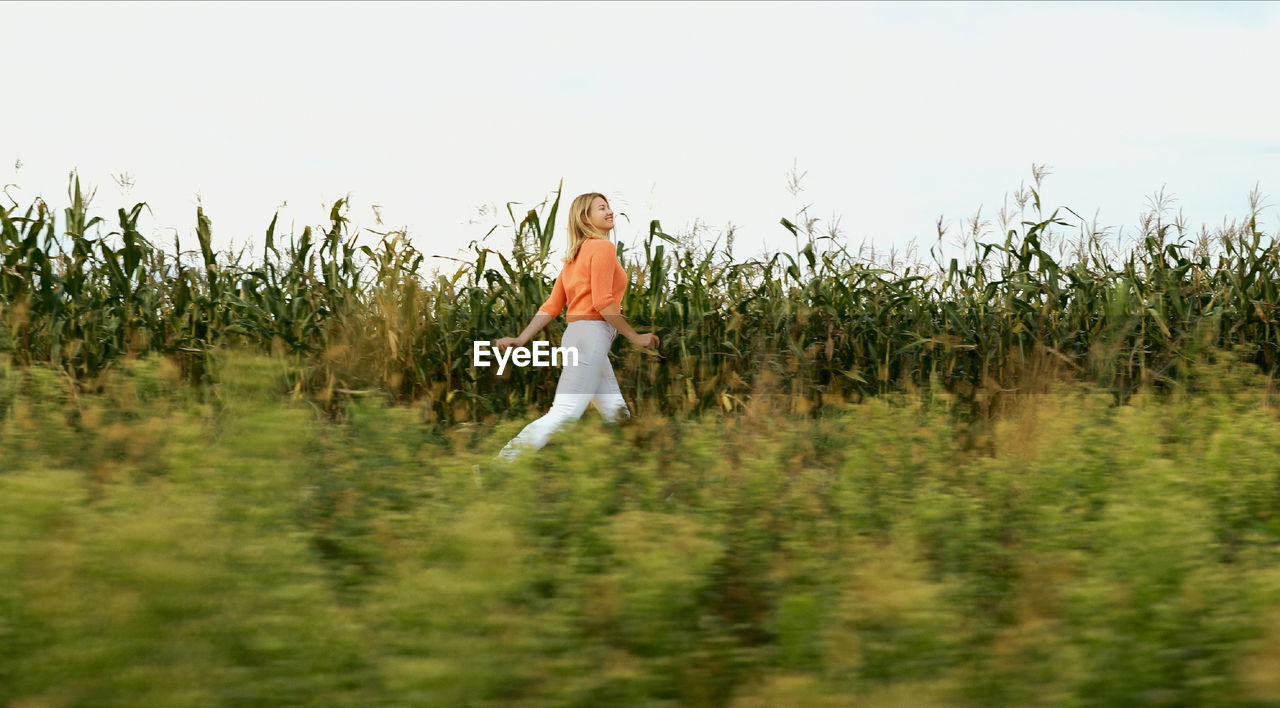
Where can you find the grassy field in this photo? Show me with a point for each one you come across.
(1045, 472)
(165, 544)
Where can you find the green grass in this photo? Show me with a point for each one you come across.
(169, 545)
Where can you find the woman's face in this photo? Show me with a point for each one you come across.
(600, 215)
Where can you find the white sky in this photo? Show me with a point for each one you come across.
(898, 113)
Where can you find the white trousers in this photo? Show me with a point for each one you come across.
(590, 381)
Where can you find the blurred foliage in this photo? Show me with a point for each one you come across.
(165, 544)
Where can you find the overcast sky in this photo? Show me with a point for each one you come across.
(898, 114)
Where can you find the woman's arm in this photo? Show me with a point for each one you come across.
(549, 311)
(613, 315)
(603, 262)
(536, 324)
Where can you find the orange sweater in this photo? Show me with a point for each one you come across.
(591, 282)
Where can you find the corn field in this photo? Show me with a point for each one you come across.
(820, 325)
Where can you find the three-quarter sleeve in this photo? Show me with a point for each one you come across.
(603, 264)
(555, 303)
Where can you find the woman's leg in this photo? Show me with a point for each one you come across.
(608, 397)
(574, 390)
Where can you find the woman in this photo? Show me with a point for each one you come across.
(592, 284)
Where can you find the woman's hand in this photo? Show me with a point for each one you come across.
(507, 343)
(645, 341)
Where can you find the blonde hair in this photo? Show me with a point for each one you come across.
(580, 229)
